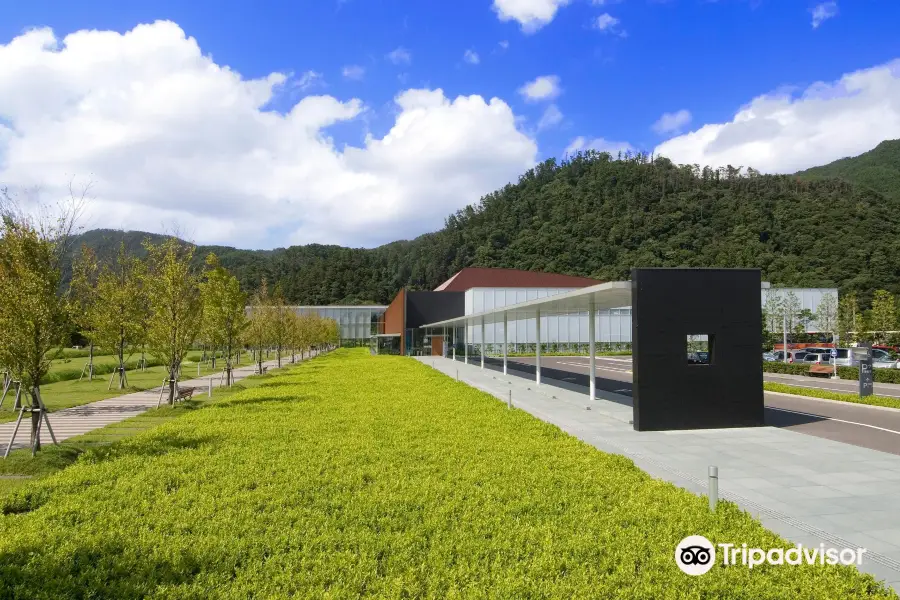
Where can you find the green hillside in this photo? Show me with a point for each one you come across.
(878, 169)
(597, 216)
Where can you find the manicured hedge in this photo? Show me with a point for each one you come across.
(358, 476)
(880, 375)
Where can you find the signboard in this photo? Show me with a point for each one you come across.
(834, 353)
(866, 380)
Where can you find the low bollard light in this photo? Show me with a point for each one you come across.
(209, 392)
(713, 487)
(509, 402)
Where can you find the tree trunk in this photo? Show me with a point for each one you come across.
(214, 358)
(173, 373)
(35, 420)
(91, 361)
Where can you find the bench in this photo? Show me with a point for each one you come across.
(826, 370)
(184, 393)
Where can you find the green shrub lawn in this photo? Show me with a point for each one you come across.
(358, 476)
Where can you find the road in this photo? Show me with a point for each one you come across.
(860, 425)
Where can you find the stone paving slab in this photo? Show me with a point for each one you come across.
(809, 490)
(78, 420)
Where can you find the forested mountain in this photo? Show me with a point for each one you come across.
(878, 169)
(597, 216)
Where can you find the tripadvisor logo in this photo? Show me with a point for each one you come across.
(696, 555)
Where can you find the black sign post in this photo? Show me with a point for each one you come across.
(866, 380)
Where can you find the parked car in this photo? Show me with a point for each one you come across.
(845, 358)
(816, 350)
(818, 358)
(793, 355)
(891, 349)
(769, 357)
(698, 358)
(882, 359)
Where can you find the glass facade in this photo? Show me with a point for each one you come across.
(358, 323)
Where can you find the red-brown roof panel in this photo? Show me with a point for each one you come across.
(472, 277)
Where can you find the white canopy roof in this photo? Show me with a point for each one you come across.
(612, 294)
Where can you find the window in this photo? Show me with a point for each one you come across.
(699, 348)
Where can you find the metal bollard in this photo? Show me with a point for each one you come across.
(198, 368)
(713, 487)
(457, 374)
(509, 403)
(209, 393)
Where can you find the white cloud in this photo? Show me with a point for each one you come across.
(471, 57)
(552, 116)
(783, 133)
(308, 80)
(167, 135)
(400, 56)
(822, 12)
(545, 87)
(355, 72)
(599, 144)
(504, 44)
(672, 122)
(530, 14)
(605, 22)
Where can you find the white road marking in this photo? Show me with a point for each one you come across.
(797, 412)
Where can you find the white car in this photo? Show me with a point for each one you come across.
(880, 359)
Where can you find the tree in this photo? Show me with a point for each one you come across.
(119, 307)
(884, 315)
(280, 324)
(848, 326)
(790, 310)
(172, 287)
(34, 315)
(258, 334)
(827, 315)
(83, 301)
(224, 310)
(774, 311)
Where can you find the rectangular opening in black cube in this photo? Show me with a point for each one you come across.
(699, 348)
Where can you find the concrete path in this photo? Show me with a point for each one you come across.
(807, 489)
(78, 420)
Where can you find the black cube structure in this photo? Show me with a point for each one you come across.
(722, 305)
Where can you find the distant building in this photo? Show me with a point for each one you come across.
(476, 289)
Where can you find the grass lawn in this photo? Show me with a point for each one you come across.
(829, 395)
(19, 468)
(358, 476)
(71, 392)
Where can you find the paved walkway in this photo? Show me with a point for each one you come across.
(809, 490)
(78, 420)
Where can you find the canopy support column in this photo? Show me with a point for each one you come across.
(454, 341)
(482, 342)
(505, 342)
(466, 342)
(537, 354)
(592, 337)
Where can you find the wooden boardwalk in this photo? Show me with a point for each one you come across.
(78, 420)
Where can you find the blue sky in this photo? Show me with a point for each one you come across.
(620, 66)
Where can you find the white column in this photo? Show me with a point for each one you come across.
(444, 343)
(482, 342)
(466, 342)
(455, 326)
(592, 336)
(537, 355)
(505, 341)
